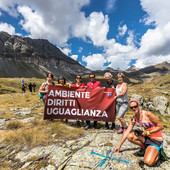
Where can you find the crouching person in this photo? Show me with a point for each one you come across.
(148, 134)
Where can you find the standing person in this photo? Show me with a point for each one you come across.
(23, 88)
(62, 82)
(34, 85)
(78, 82)
(121, 101)
(109, 84)
(148, 135)
(92, 84)
(44, 87)
(30, 87)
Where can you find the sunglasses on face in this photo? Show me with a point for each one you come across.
(91, 77)
(134, 107)
(78, 78)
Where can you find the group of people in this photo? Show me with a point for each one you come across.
(30, 86)
(148, 134)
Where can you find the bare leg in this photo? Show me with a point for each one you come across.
(151, 155)
(122, 122)
(138, 140)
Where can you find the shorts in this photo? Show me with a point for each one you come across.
(152, 142)
(121, 109)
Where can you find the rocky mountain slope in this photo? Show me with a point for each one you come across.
(26, 57)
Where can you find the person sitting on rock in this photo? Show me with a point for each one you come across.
(148, 135)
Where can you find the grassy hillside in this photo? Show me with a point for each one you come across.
(28, 133)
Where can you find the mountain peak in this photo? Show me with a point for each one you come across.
(132, 68)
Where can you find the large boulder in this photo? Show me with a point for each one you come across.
(160, 103)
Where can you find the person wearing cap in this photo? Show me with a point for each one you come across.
(109, 84)
(121, 99)
(92, 84)
(62, 82)
(78, 82)
(148, 134)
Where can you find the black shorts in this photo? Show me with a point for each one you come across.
(152, 142)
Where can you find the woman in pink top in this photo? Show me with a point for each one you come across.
(78, 82)
(147, 135)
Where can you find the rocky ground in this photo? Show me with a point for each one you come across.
(92, 151)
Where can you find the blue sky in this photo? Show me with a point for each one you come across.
(96, 33)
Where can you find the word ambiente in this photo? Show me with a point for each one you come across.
(71, 94)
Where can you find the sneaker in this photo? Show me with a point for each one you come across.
(120, 131)
(163, 156)
(124, 130)
(141, 152)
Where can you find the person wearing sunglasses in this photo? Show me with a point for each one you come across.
(92, 84)
(78, 82)
(148, 134)
(121, 99)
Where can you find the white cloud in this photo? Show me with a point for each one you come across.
(95, 61)
(155, 43)
(66, 51)
(74, 57)
(80, 49)
(9, 7)
(110, 5)
(122, 30)
(52, 20)
(157, 11)
(7, 28)
(130, 39)
(94, 27)
(33, 23)
(58, 21)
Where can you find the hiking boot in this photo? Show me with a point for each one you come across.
(120, 131)
(113, 126)
(141, 152)
(163, 156)
(106, 127)
(95, 125)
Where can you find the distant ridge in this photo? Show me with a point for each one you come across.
(26, 57)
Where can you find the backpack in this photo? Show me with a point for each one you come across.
(42, 94)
